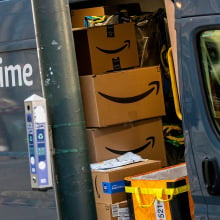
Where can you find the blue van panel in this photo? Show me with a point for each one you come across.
(18, 45)
(16, 21)
(189, 8)
(17, 50)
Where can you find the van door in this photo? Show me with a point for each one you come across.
(198, 42)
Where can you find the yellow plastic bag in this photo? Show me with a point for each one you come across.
(160, 195)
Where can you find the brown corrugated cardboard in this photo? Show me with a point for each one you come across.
(106, 48)
(122, 96)
(144, 138)
(109, 185)
(112, 211)
(78, 15)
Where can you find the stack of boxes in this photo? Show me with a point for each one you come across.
(123, 104)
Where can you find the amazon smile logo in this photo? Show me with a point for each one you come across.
(126, 44)
(150, 141)
(126, 100)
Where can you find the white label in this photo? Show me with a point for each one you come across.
(115, 208)
(159, 210)
(39, 114)
(43, 180)
(124, 218)
(123, 212)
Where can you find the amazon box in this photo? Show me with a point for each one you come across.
(122, 96)
(115, 211)
(109, 185)
(144, 138)
(78, 15)
(106, 48)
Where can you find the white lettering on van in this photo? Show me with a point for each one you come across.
(15, 75)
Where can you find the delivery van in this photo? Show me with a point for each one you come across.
(197, 30)
(197, 51)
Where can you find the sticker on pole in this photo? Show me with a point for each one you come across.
(39, 146)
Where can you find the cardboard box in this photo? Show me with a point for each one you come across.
(112, 211)
(78, 15)
(109, 185)
(106, 48)
(144, 138)
(122, 96)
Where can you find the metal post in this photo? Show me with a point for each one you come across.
(60, 82)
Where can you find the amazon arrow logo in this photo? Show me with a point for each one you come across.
(126, 44)
(125, 100)
(96, 187)
(150, 140)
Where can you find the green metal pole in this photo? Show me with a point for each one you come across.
(60, 82)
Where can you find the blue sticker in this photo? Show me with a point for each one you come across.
(40, 135)
(29, 118)
(30, 139)
(32, 159)
(114, 187)
(31, 150)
